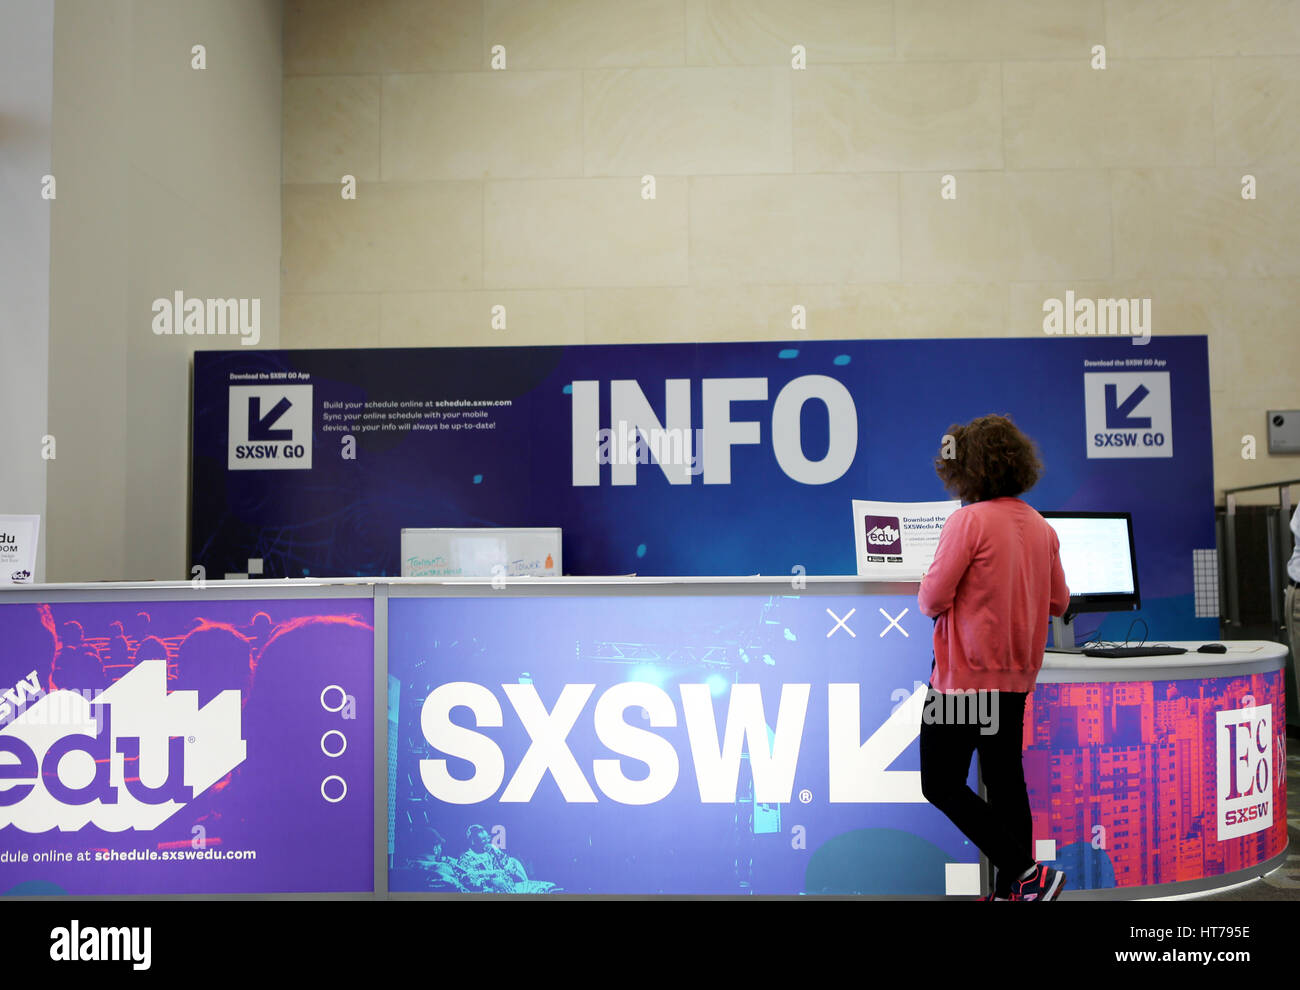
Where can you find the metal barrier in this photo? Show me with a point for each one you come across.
(1279, 551)
(1279, 548)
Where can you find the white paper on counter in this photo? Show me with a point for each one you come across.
(18, 548)
(896, 541)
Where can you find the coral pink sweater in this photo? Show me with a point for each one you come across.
(995, 579)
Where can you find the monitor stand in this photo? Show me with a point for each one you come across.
(1063, 636)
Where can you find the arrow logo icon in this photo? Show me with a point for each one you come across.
(259, 426)
(1117, 413)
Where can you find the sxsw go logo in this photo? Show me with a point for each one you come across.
(1244, 757)
(1128, 414)
(270, 428)
(64, 761)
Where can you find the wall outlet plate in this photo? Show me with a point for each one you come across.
(1284, 431)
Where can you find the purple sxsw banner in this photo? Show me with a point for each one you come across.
(724, 744)
(194, 747)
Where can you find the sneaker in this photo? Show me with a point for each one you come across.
(1044, 885)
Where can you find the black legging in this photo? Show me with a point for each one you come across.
(1002, 826)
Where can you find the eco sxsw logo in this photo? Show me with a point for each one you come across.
(1244, 757)
(270, 428)
(129, 759)
(884, 539)
(1128, 414)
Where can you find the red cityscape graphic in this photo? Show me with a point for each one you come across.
(1124, 777)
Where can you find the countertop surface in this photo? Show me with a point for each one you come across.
(1243, 657)
(795, 582)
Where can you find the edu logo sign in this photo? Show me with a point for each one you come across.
(129, 759)
(884, 538)
(1244, 758)
(270, 428)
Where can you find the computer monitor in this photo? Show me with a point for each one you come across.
(1100, 564)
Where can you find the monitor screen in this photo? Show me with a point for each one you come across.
(1098, 558)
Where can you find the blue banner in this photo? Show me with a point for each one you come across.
(686, 459)
(648, 744)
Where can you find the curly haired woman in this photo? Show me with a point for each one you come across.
(995, 578)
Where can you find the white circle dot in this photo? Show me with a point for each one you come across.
(343, 698)
(342, 749)
(333, 800)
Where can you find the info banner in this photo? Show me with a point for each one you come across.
(1173, 780)
(195, 747)
(756, 743)
(687, 459)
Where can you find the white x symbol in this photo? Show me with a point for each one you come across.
(893, 622)
(839, 623)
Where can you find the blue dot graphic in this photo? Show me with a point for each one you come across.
(842, 359)
(640, 550)
(789, 352)
(478, 479)
(568, 389)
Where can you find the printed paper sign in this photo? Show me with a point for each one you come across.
(18, 548)
(897, 540)
(481, 552)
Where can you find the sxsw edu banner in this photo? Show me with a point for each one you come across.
(686, 459)
(712, 744)
(186, 747)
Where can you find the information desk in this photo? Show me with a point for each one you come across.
(641, 736)
(1160, 775)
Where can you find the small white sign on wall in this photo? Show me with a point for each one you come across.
(18, 548)
(475, 552)
(1128, 414)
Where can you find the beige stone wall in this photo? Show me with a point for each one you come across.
(26, 104)
(168, 179)
(778, 187)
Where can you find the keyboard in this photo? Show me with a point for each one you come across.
(1133, 651)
